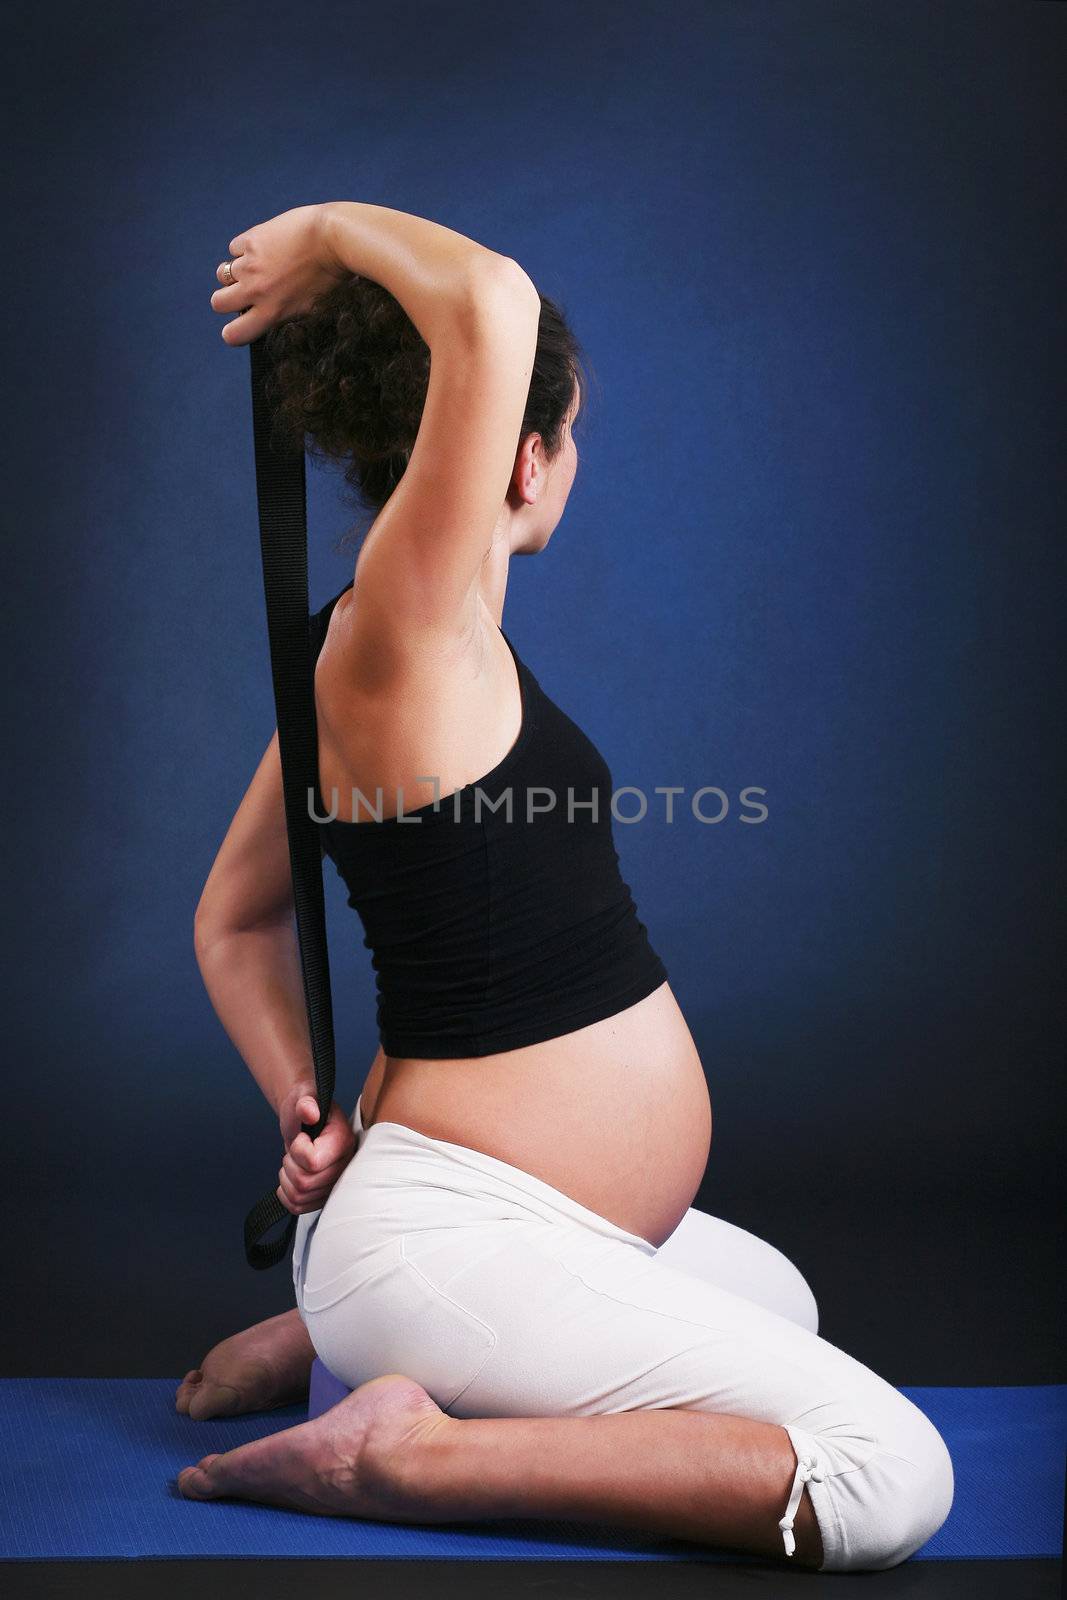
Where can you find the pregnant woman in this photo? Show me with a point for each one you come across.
(497, 1252)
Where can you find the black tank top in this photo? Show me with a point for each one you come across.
(486, 933)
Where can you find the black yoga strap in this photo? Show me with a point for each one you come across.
(281, 493)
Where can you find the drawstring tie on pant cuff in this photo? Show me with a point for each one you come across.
(807, 1467)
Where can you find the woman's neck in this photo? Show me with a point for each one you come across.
(493, 579)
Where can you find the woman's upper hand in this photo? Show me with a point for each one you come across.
(278, 268)
(311, 1167)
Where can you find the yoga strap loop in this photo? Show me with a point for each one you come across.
(281, 492)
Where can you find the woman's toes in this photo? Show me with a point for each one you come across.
(214, 1400)
(274, 1470)
(196, 1483)
(358, 1459)
(186, 1389)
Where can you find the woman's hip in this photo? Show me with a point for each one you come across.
(402, 1185)
(416, 1234)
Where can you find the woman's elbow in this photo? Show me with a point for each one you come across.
(218, 920)
(498, 292)
(208, 926)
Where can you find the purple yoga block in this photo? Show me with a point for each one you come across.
(326, 1390)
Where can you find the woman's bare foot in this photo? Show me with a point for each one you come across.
(352, 1461)
(266, 1366)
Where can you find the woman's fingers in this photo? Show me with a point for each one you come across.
(296, 1172)
(307, 1153)
(300, 1199)
(311, 1167)
(249, 322)
(229, 272)
(245, 329)
(297, 1207)
(234, 297)
(307, 1189)
(296, 1196)
(336, 1142)
(308, 1177)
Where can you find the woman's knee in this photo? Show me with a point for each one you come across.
(730, 1257)
(893, 1505)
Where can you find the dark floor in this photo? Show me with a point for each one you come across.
(540, 1580)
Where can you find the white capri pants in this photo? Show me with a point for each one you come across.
(503, 1297)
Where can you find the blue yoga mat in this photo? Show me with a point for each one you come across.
(88, 1469)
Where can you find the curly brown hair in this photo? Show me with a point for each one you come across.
(348, 381)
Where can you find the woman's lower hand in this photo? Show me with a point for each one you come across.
(311, 1167)
(275, 271)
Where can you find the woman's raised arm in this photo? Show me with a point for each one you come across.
(419, 566)
(479, 314)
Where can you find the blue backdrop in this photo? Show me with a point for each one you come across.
(814, 252)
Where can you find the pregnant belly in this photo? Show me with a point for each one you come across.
(616, 1115)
